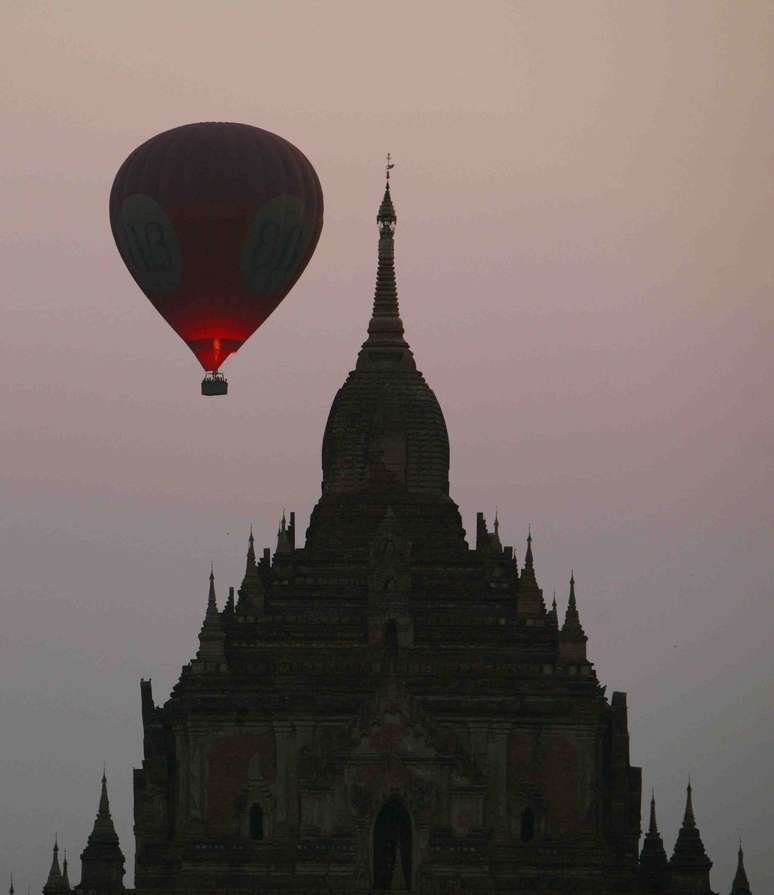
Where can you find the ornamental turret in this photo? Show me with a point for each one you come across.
(211, 637)
(553, 614)
(689, 863)
(102, 861)
(572, 637)
(530, 595)
(55, 884)
(654, 866)
(251, 592)
(740, 885)
(65, 873)
(285, 535)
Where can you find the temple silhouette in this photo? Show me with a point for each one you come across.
(383, 707)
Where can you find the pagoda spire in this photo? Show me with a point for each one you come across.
(102, 861)
(572, 637)
(284, 544)
(251, 592)
(103, 831)
(385, 329)
(553, 613)
(572, 627)
(211, 635)
(65, 877)
(689, 861)
(740, 885)
(530, 596)
(55, 882)
(529, 561)
(689, 821)
(228, 609)
(654, 867)
(212, 603)
(250, 549)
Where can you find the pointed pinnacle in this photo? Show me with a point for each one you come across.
(103, 829)
(529, 561)
(11, 889)
(689, 821)
(385, 328)
(653, 827)
(250, 550)
(571, 604)
(104, 805)
(212, 605)
(54, 874)
(741, 885)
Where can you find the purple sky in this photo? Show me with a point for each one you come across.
(584, 253)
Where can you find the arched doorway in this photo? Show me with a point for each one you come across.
(527, 824)
(391, 628)
(256, 821)
(392, 835)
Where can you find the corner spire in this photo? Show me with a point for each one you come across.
(530, 596)
(740, 885)
(654, 867)
(103, 831)
(54, 883)
(211, 635)
(65, 877)
(529, 562)
(689, 860)
(284, 545)
(553, 614)
(572, 638)
(102, 861)
(572, 627)
(251, 592)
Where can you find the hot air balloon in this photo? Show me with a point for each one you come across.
(216, 222)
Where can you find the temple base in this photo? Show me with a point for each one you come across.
(214, 383)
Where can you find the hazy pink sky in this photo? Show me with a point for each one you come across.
(584, 251)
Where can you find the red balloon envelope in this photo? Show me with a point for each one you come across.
(216, 222)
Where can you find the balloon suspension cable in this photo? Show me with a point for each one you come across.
(214, 383)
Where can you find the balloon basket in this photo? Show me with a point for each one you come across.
(215, 383)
